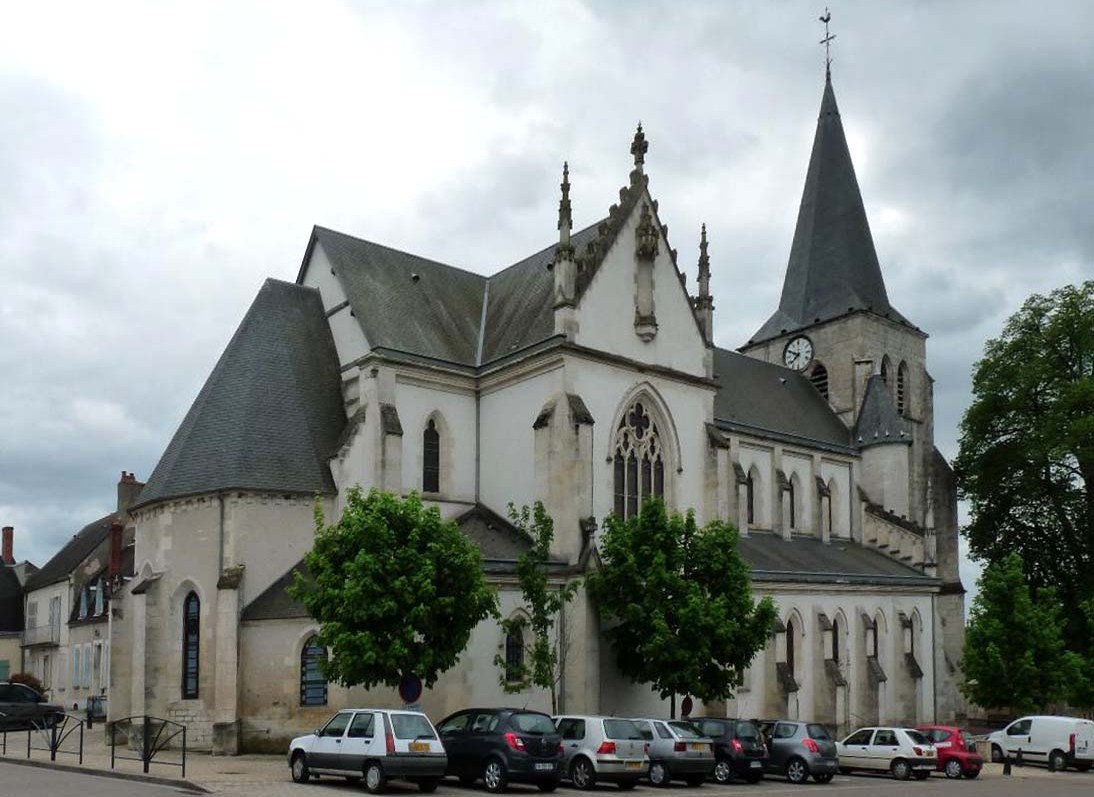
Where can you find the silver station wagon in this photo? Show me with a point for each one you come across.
(373, 744)
(602, 749)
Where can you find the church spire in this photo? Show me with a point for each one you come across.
(704, 303)
(564, 266)
(833, 267)
(565, 217)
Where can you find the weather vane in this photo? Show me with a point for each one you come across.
(827, 42)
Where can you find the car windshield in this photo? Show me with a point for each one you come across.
(917, 737)
(685, 730)
(622, 729)
(411, 726)
(534, 723)
(818, 732)
(746, 730)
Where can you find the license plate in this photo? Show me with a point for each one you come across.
(694, 746)
(755, 764)
(419, 747)
(633, 765)
(545, 767)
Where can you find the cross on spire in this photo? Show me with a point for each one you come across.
(827, 42)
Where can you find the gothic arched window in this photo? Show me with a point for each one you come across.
(431, 458)
(819, 378)
(191, 635)
(835, 640)
(901, 388)
(790, 645)
(750, 495)
(639, 461)
(514, 656)
(885, 370)
(793, 503)
(313, 681)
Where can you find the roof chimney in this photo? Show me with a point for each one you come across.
(6, 556)
(128, 490)
(116, 529)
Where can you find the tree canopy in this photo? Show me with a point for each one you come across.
(544, 602)
(396, 590)
(1014, 652)
(1026, 458)
(677, 603)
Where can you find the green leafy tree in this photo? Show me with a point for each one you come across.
(1014, 652)
(1082, 691)
(543, 604)
(677, 603)
(396, 590)
(1026, 462)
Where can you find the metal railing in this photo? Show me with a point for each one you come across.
(149, 736)
(42, 635)
(53, 732)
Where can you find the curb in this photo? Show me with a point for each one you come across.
(185, 785)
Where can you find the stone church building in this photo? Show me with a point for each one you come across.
(585, 376)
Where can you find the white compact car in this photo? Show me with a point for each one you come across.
(374, 744)
(1065, 741)
(602, 749)
(901, 751)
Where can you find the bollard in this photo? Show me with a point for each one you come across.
(1052, 763)
(1018, 760)
(1006, 766)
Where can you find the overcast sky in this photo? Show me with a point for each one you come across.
(159, 160)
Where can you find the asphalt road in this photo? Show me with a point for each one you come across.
(22, 781)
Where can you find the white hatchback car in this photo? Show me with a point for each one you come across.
(374, 744)
(901, 751)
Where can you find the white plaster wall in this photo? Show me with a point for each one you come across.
(57, 678)
(456, 423)
(606, 388)
(837, 475)
(507, 465)
(349, 339)
(605, 313)
(849, 603)
(760, 458)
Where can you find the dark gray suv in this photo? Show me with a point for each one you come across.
(799, 750)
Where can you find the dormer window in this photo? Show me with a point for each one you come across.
(99, 598)
(83, 603)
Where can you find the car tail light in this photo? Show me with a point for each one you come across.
(606, 748)
(559, 751)
(679, 747)
(917, 750)
(1071, 743)
(811, 746)
(390, 739)
(736, 745)
(646, 747)
(514, 741)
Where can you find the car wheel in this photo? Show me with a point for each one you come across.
(723, 771)
(548, 786)
(796, 771)
(996, 754)
(695, 781)
(972, 773)
(627, 785)
(299, 769)
(582, 774)
(901, 769)
(953, 768)
(428, 785)
(494, 776)
(658, 775)
(823, 777)
(922, 774)
(1058, 760)
(375, 779)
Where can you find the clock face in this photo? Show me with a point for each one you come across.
(798, 353)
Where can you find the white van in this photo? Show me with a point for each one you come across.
(1065, 741)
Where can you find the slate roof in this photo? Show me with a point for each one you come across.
(11, 601)
(274, 603)
(72, 554)
(878, 421)
(833, 267)
(448, 322)
(760, 397)
(270, 413)
(810, 560)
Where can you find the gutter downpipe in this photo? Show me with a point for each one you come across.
(934, 657)
(220, 537)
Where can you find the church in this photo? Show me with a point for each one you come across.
(587, 377)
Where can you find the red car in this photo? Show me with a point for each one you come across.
(956, 748)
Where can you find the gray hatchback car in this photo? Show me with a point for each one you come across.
(677, 751)
(799, 750)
